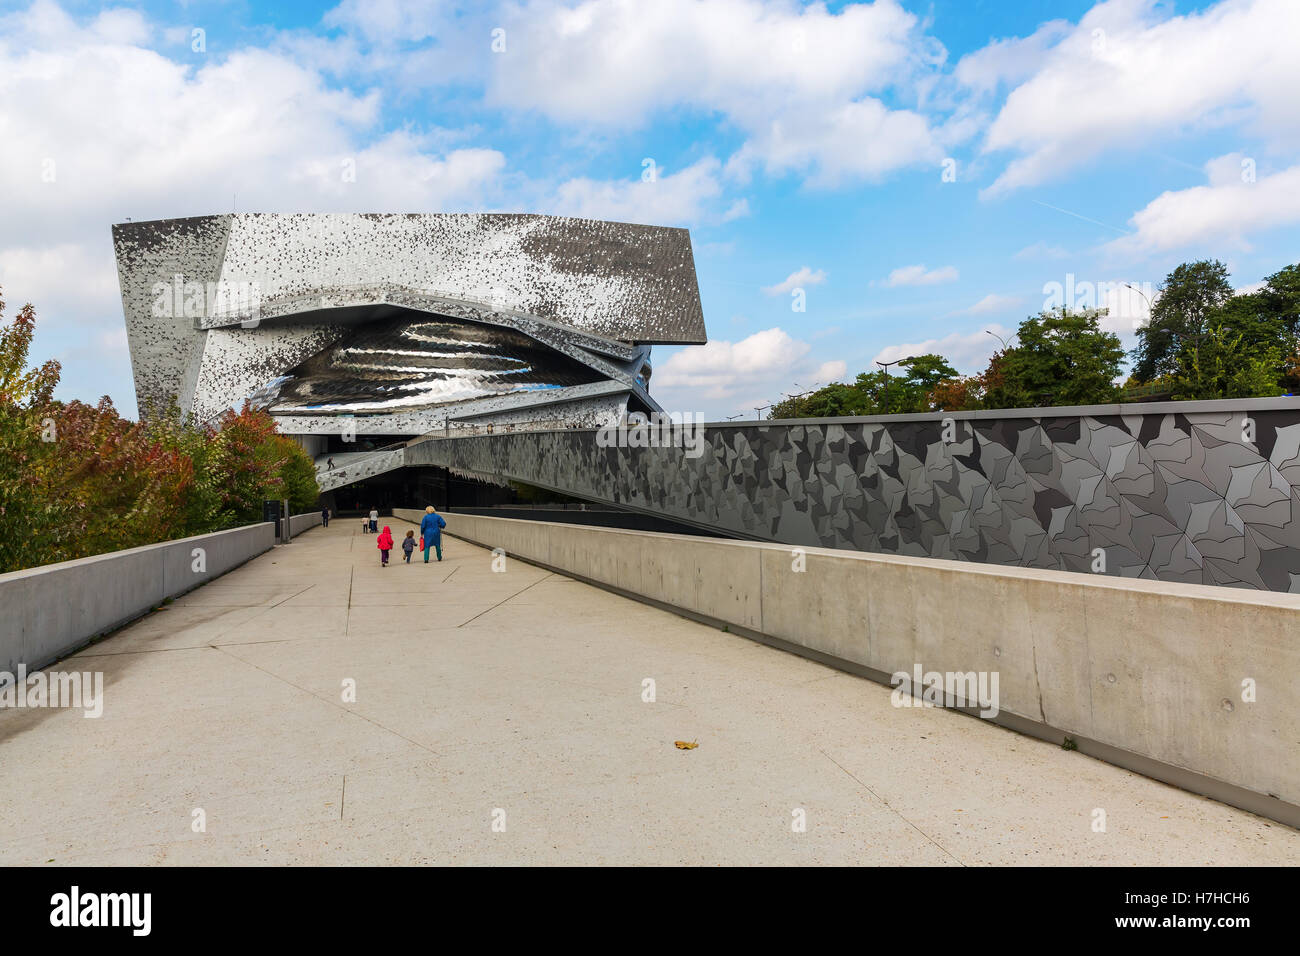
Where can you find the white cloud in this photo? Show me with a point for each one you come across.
(919, 275)
(737, 210)
(992, 303)
(832, 371)
(795, 280)
(1041, 250)
(1009, 61)
(123, 131)
(859, 140)
(616, 61)
(1225, 211)
(99, 128)
(802, 84)
(390, 20)
(968, 352)
(1123, 77)
(721, 364)
(724, 377)
(688, 196)
(68, 283)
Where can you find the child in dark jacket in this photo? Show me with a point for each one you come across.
(408, 545)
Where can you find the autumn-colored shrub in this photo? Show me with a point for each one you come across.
(79, 479)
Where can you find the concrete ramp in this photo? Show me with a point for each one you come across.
(350, 467)
(492, 691)
(1046, 653)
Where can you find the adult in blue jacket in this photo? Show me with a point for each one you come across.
(431, 526)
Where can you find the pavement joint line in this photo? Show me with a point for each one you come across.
(887, 806)
(208, 643)
(326, 700)
(511, 598)
(347, 622)
(187, 647)
(282, 640)
(291, 821)
(256, 616)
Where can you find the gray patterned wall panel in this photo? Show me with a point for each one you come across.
(1169, 492)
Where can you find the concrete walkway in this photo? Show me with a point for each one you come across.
(517, 697)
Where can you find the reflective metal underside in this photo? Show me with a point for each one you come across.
(413, 362)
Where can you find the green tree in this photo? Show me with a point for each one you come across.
(25, 410)
(921, 374)
(1062, 358)
(1281, 298)
(962, 393)
(248, 461)
(836, 400)
(170, 428)
(874, 393)
(298, 477)
(1187, 300)
(78, 479)
(1222, 363)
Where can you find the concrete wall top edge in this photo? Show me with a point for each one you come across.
(1227, 405)
(1219, 594)
(1063, 411)
(11, 576)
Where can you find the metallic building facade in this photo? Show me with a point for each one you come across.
(398, 325)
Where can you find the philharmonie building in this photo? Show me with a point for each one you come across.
(357, 332)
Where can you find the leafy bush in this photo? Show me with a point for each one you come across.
(77, 479)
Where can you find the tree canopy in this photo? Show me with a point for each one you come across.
(79, 479)
(1202, 341)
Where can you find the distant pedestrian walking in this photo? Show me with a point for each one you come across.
(408, 545)
(329, 463)
(385, 544)
(374, 520)
(325, 517)
(431, 526)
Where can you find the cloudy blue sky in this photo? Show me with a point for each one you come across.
(922, 171)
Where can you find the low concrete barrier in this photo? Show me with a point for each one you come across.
(51, 611)
(300, 523)
(1154, 676)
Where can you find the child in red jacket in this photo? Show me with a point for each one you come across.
(385, 544)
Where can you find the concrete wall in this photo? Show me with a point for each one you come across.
(1194, 492)
(50, 611)
(300, 523)
(1141, 673)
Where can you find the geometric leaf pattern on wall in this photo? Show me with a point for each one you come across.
(1167, 495)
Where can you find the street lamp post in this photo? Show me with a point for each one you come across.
(1146, 298)
(885, 366)
(1005, 347)
(1131, 286)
